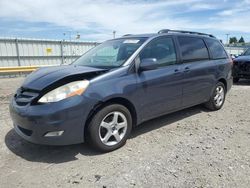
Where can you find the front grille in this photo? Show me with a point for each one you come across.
(244, 66)
(27, 132)
(25, 96)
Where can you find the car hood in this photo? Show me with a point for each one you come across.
(44, 77)
(243, 58)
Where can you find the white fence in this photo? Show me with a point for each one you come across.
(33, 52)
(235, 50)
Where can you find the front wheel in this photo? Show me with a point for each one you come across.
(110, 128)
(218, 97)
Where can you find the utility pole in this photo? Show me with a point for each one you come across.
(69, 44)
(114, 32)
(78, 36)
(227, 38)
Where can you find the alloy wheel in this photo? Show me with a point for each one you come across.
(219, 96)
(113, 128)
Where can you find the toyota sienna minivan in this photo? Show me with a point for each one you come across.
(119, 84)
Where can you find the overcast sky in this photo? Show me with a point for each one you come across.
(95, 20)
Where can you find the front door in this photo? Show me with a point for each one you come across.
(160, 90)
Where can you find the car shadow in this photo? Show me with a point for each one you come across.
(60, 154)
(44, 153)
(165, 120)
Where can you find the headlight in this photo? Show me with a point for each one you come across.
(65, 91)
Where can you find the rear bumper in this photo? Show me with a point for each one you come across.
(229, 83)
(33, 122)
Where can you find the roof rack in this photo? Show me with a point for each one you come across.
(127, 35)
(181, 31)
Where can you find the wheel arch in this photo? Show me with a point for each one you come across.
(116, 100)
(223, 80)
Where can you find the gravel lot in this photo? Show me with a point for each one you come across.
(190, 148)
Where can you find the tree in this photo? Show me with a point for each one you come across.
(233, 40)
(242, 40)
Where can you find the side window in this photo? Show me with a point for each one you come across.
(162, 49)
(216, 49)
(193, 49)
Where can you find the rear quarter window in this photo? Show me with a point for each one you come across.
(193, 49)
(216, 49)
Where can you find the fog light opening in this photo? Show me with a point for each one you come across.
(53, 133)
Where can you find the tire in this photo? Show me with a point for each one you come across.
(236, 80)
(214, 102)
(109, 128)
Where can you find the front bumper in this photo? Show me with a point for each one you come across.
(242, 75)
(33, 122)
(241, 70)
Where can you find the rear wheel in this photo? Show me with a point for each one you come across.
(110, 128)
(236, 79)
(218, 97)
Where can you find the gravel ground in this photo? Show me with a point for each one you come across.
(190, 148)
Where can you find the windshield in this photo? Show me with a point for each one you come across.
(247, 52)
(110, 54)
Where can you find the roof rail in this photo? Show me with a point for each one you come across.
(181, 31)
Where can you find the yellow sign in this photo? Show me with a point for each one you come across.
(49, 50)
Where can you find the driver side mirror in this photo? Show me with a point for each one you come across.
(148, 64)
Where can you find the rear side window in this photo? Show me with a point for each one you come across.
(193, 49)
(162, 49)
(216, 49)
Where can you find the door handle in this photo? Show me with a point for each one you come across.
(187, 69)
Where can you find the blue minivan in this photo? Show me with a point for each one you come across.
(119, 84)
